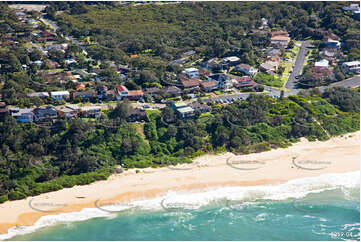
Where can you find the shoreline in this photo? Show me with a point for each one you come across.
(206, 172)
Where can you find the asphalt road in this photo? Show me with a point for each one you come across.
(56, 27)
(298, 66)
(351, 82)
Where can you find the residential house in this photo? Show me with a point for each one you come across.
(172, 90)
(57, 47)
(280, 41)
(179, 61)
(70, 61)
(104, 93)
(203, 108)
(121, 92)
(183, 110)
(68, 76)
(322, 72)
(45, 114)
(90, 111)
(188, 54)
(244, 81)
(204, 72)
(181, 77)
(209, 86)
(80, 86)
(39, 94)
(332, 43)
(46, 36)
(85, 95)
(22, 115)
(272, 52)
(232, 61)
(353, 66)
(152, 91)
(69, 111)
(186, 112)
(177, 105)
(332, 40)
(322, 63)
(223, 81)
(135, 95)
(191, 72)
(274, 58)
(269, 67)
(246, 69)
(191, 84)
(209, 64)
(352, 7)
(60, 95)
(137, 115)
(279, 33)
(4, 111)
(330, 54)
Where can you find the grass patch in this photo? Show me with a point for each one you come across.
(268, 80)
(54, 70)
(155, 111)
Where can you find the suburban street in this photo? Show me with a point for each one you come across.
(297, 69)
(351, 82)
(55, 28)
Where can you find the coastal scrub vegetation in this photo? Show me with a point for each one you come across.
(35, 160)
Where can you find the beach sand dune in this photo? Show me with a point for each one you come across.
(303, 159)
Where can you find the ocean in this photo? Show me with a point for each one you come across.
(319, 208)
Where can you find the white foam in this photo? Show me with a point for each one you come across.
(296, 188)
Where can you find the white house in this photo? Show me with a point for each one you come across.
(39, 94)
(191, 72)
(353, 66)
(322, 63)
(60, 95)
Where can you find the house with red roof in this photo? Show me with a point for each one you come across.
(244, 81)
(209, 86)
(121, 92)
(190, 84)
(322, 72)
(135, 95)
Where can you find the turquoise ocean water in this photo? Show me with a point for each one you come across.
(322, 208)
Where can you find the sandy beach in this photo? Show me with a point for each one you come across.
(302, 159)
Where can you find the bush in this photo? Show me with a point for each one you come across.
(3, 198)
(16, 195)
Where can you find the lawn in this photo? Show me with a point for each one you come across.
(54, 70)
(153, 111)
(286, 73)
(205, 117)
(268, 80)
